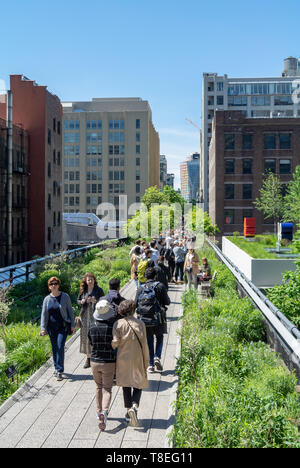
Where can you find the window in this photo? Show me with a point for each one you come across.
(229, 216)
(285, 166)
(220, 100)
(270, 165)
(88, 188)
(229, 141)
(138, 174)
(247, 213)
(54, 125)
(49, 136)
(66, 175)
(283, 101)
(137, 188)
(137, 123)
(138, 161)
(54, 218)
(49, 201)
(260, 100)
(247, 166)
(247, 141)
(229, 166)
(71, 188)
(58, 158)
(77, 188)
(138, 137)
(77, 175)
(58, 127)
(237, 101)
(270, 141)
(49, 234)
(285, 141)
(247, 191)
(49, 169)
(229, 191)
(138, 149)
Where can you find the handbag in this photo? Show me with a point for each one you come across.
(68, 328)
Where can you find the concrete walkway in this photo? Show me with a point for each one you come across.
(63, 414)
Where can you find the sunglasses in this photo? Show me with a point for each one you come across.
(53, 284)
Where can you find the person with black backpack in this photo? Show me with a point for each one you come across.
(152, 299)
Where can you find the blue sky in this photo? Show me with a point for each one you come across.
(156, 50)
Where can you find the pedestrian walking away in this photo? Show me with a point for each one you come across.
(179, 252)
(88, 297)
(152, 299)
(103, 359)
(113, 296)
(134, 261)
(130, 337)
(57, 320)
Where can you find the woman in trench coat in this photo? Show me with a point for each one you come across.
(130, 337)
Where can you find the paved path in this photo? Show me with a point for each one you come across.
(63, 414)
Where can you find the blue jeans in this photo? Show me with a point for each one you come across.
(58, 339)
(158, 347)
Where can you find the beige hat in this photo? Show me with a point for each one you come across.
(103, 310)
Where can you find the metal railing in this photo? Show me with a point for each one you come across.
(282, 329)
(21, 272)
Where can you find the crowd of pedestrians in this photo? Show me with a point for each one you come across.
(122, 339)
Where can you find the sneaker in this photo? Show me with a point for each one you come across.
(102, 419)
(59, 376)
(151, 369)
(127, 418)
(133, 416)
(55, 373)
(158, 364)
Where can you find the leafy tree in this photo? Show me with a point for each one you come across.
(153, 195)
(171, 196)
(292, 198)
(271, 201)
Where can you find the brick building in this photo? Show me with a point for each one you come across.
(241, 151)
(40, 114)
(19, 195)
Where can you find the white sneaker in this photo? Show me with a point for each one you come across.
(102, 419)
(158, 364)
(151, 369)
(132, 413)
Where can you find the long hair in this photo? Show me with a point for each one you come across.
(83, 284)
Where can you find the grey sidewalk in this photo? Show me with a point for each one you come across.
(63, 414)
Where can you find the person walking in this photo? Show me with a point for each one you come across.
(155, 251)
(179, 252)
(191, 268)
(88, 297)
(113, 296)
(152, 299)
(170, 257)
(57, 320)
(130, 337)
(134, 261)
(143, 265)
(137, 244)
(162, 272)
(103, 358)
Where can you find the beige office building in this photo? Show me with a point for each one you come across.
(111, 148)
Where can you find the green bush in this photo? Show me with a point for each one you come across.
(233, 390)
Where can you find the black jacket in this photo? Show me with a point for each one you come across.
(163, 299)
(162, 274)
(114, 297)
(97, 293)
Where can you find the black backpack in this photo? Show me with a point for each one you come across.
(148, 308)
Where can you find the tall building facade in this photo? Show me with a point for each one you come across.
(190, 178)
(110, 148)
(242, 150)
(170, 180)
(163, 171)
(39, 112)
(257, 98)
(19, 239)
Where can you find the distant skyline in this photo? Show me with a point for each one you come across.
(154, 50)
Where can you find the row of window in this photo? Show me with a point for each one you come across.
(72, 188)
(260, 88)
(233, 216)
(271, 141)
(96, 149)
(285, 166)
(95, 124)
(230, 191)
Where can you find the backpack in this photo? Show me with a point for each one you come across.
(142, 266)
(148, 308)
